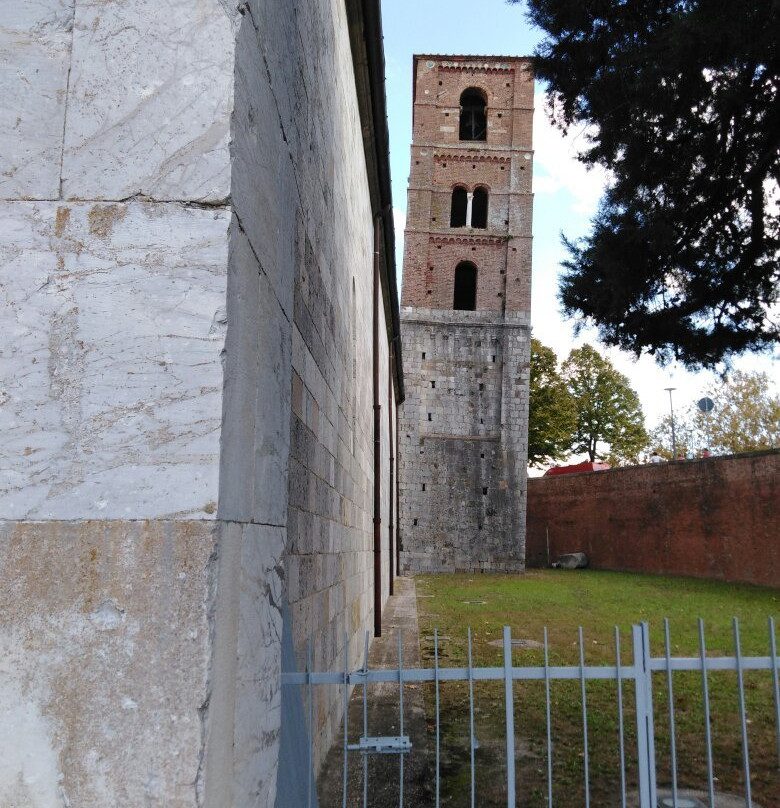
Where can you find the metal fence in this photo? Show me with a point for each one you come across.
(639, 672)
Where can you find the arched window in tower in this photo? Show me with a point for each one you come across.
(465, 297)
(473, 123)
(458, 209)
(479, 208)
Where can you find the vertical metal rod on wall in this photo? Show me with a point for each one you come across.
(391, 452)
(398, 501)
(377, 440)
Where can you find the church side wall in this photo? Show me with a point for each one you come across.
(188, 445)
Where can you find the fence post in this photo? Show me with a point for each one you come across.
(645, 739)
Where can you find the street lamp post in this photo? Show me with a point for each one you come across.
(671, 409)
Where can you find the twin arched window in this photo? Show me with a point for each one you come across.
(469, 209)
(473, 122)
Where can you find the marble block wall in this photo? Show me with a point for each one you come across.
(183, 431)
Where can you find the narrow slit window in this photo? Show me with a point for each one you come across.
(479, 208)
(458, 207)
(465, 296)
(473, 121)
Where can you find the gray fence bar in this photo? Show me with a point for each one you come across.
(742, 713)
(670, 697)
(509, 701)
(644, 717)
(705, 689)
(775, 687)
(583, 696)
(549, 720)
(471, 725)
(621, 732)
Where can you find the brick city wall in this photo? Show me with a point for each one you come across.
(714, 518)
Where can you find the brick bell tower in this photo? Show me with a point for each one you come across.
(465, 316)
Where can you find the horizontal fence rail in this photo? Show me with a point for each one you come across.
(639, 672)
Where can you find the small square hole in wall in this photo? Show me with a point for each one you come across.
(508, 84)
(506, 221)
(481, 386)
(479, 527)
(481, 421)
(417, 162)
(482, 455)
(446, 115)
(494, 357)
(503, 168)
(484, 492)
(499, 115)
(433, 385)
(478, 343)
(423, 354)
(414, 522)
(423, 486)
(429, 417)
(514, 249)
(444, 165)
(473, 249)
(428, 292)
(433, 218)
(438, 246)
(473, 166)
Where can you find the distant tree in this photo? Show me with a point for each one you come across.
(681, 103)
(552, 415)
(608, 410)
(746, 418)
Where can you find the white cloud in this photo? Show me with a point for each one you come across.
(556, 167)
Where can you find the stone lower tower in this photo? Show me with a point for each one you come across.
(465, 315)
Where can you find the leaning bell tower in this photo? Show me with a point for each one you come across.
(465, 316)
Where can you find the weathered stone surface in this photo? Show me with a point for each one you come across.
(104, 655)
(35, 44)
(151, 93)
(113, 319)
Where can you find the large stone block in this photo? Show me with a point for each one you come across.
(105, 647)
(35, 45)
(150, 99)
(114, 323)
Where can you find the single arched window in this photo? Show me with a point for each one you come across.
(479, 208)
(473, 123)
(459, 207)
(465, 297)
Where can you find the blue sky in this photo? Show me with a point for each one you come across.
(565, 195)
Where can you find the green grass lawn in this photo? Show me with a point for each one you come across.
(598, 601)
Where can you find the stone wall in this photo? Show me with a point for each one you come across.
(462, 458)
(714, 518)
(186, 241)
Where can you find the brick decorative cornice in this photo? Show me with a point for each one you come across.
(462, 157)
(491, 241)
(453, 67)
